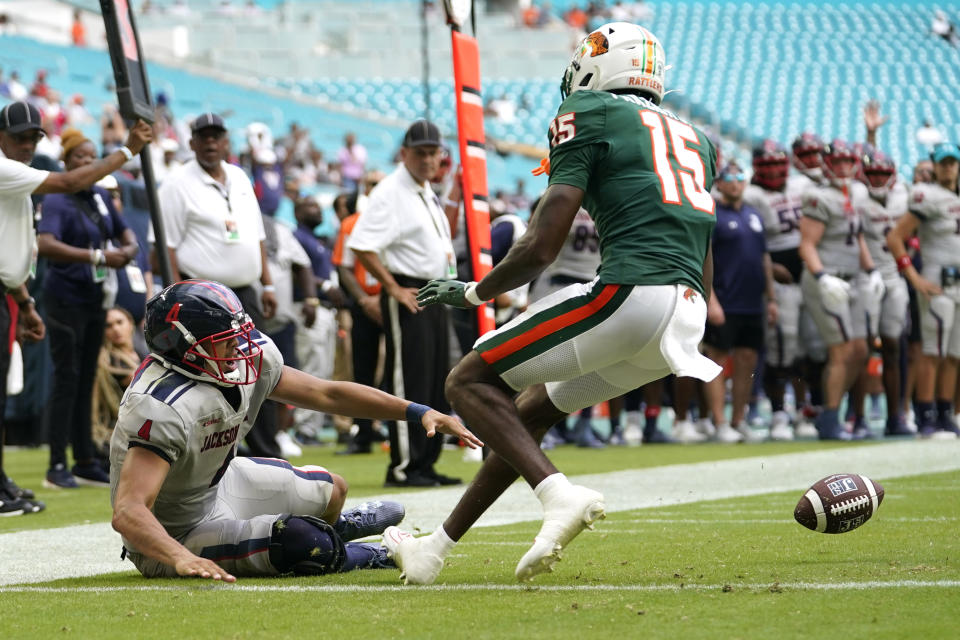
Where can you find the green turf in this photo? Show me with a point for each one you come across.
(647, 547)
(733, 568)
(365, 473)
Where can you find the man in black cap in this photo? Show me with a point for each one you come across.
(20, 131)
(215, 232)
(402, 238)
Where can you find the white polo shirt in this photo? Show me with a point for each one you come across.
(215, 229)
(18, 240)
(405, 225)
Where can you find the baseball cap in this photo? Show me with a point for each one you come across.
(945, 150)
(205, 120)
(18, 117)
(422, 133)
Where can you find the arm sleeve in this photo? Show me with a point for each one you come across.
(173, 207)
(154, 425)
(17, 178)
(376, 227)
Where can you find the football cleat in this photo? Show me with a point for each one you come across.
(368, 519)
(566, 514)
(417, 562)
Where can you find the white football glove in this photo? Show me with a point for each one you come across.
(834, 292)
(875, 286)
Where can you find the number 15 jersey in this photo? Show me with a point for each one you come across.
(647, 177)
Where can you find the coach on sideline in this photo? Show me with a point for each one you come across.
(215, 232)
(403, 239)
(20, 131)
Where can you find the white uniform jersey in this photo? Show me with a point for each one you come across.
(780, 211)
(192, 425)
(839, 248)
(939, 211)
(580, 255)
(878, 219)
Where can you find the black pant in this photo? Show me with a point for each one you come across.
(365, 339)
(416, 371)
(76, 333)
(262, 439)
(4, 367)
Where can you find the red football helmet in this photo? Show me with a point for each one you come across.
(878, 172)
(806, 154)
(840, 161)
(771, 165)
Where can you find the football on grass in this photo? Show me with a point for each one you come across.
(839, 503)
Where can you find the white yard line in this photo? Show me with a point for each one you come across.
(86, 550)
(346, 588)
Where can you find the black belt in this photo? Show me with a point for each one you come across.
(408, 281)
(564, 280)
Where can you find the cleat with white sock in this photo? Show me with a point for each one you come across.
(419, 563)
(566, 512)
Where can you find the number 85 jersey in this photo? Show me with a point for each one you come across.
(647, 177)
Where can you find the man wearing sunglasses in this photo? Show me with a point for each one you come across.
(742, 277)
(20, 131)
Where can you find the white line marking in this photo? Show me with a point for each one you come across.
(346, 588)
(93, 549)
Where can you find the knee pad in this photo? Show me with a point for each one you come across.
(306, 546)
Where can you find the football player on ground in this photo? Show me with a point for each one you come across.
(777, 196)
(935, 215)
(834, 252)
(645, 176)
(184, 504)
(887, 316)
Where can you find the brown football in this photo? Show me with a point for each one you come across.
(839, 503)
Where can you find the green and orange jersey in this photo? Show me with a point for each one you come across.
(647, 176)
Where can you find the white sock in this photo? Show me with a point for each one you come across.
(550, 484)
(441, 540)
(634, 418)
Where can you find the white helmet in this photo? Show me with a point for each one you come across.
(618, 55)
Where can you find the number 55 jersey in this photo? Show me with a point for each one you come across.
(647, 176)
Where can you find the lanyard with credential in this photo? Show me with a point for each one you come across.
(436, 225)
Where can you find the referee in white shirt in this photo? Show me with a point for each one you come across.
(402, 238)
(215, 232)
(20, 131)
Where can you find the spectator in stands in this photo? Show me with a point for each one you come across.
(403, 239)
(267, 174)
(78, 33)
(16, 91)
(77, 114)
(736, 316)
(353, 162)
(366, 330)
(929, 135)
(84, 240)
(20, 131)
(944, 28)
(112, 129)
(215, 232)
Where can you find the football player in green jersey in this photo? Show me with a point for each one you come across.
(645, 176)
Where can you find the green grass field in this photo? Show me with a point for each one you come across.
(733, 568)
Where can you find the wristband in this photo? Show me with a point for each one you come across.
(447, 202)
(269, 288)
(98, 257)
(903, 262)
(326, 286)
(415, 413)
(312, 302)
(470, 295)
(126, 153)
(24, 303)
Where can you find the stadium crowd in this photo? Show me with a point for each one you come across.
(833, 279)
